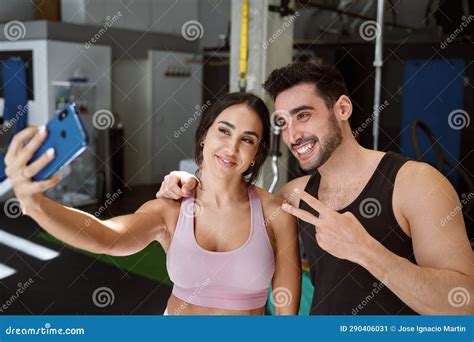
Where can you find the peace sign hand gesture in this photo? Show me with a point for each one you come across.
(341, 235)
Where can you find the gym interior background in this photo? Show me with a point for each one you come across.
(142, 71)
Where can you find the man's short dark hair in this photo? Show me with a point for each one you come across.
(328, 81)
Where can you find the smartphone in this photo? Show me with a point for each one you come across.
(68, 138)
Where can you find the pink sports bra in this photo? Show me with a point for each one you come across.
(233, 280)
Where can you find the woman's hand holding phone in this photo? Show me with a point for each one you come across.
(21, 150)
(36, 155)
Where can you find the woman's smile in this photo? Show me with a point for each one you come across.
(225, 161)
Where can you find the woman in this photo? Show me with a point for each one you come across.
(222, 253)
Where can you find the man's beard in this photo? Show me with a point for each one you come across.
(326, 147)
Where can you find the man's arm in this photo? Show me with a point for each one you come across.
(177, 184)
(442, 282)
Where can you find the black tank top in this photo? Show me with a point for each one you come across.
(342, 287)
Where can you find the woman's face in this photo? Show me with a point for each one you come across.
(232, 142)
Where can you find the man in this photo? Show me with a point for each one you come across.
(372, 224)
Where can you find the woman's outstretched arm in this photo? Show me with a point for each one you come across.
(119, 236)
(122, 235)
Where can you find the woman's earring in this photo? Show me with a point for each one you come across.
(252, 164)
(202, 144)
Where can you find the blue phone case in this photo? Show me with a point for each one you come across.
(67, 136)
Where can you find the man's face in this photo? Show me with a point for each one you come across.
(312, 131)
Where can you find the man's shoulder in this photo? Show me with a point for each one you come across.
(416, 181)
(415, 173)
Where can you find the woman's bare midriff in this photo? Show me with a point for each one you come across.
(177, 306)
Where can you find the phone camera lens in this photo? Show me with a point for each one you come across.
(63, 115)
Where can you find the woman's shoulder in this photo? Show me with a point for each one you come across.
(158, 205)
(275, 217)
(271, 204)
(269, 200)
(168, 209)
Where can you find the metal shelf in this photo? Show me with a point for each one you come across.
(72, 84)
